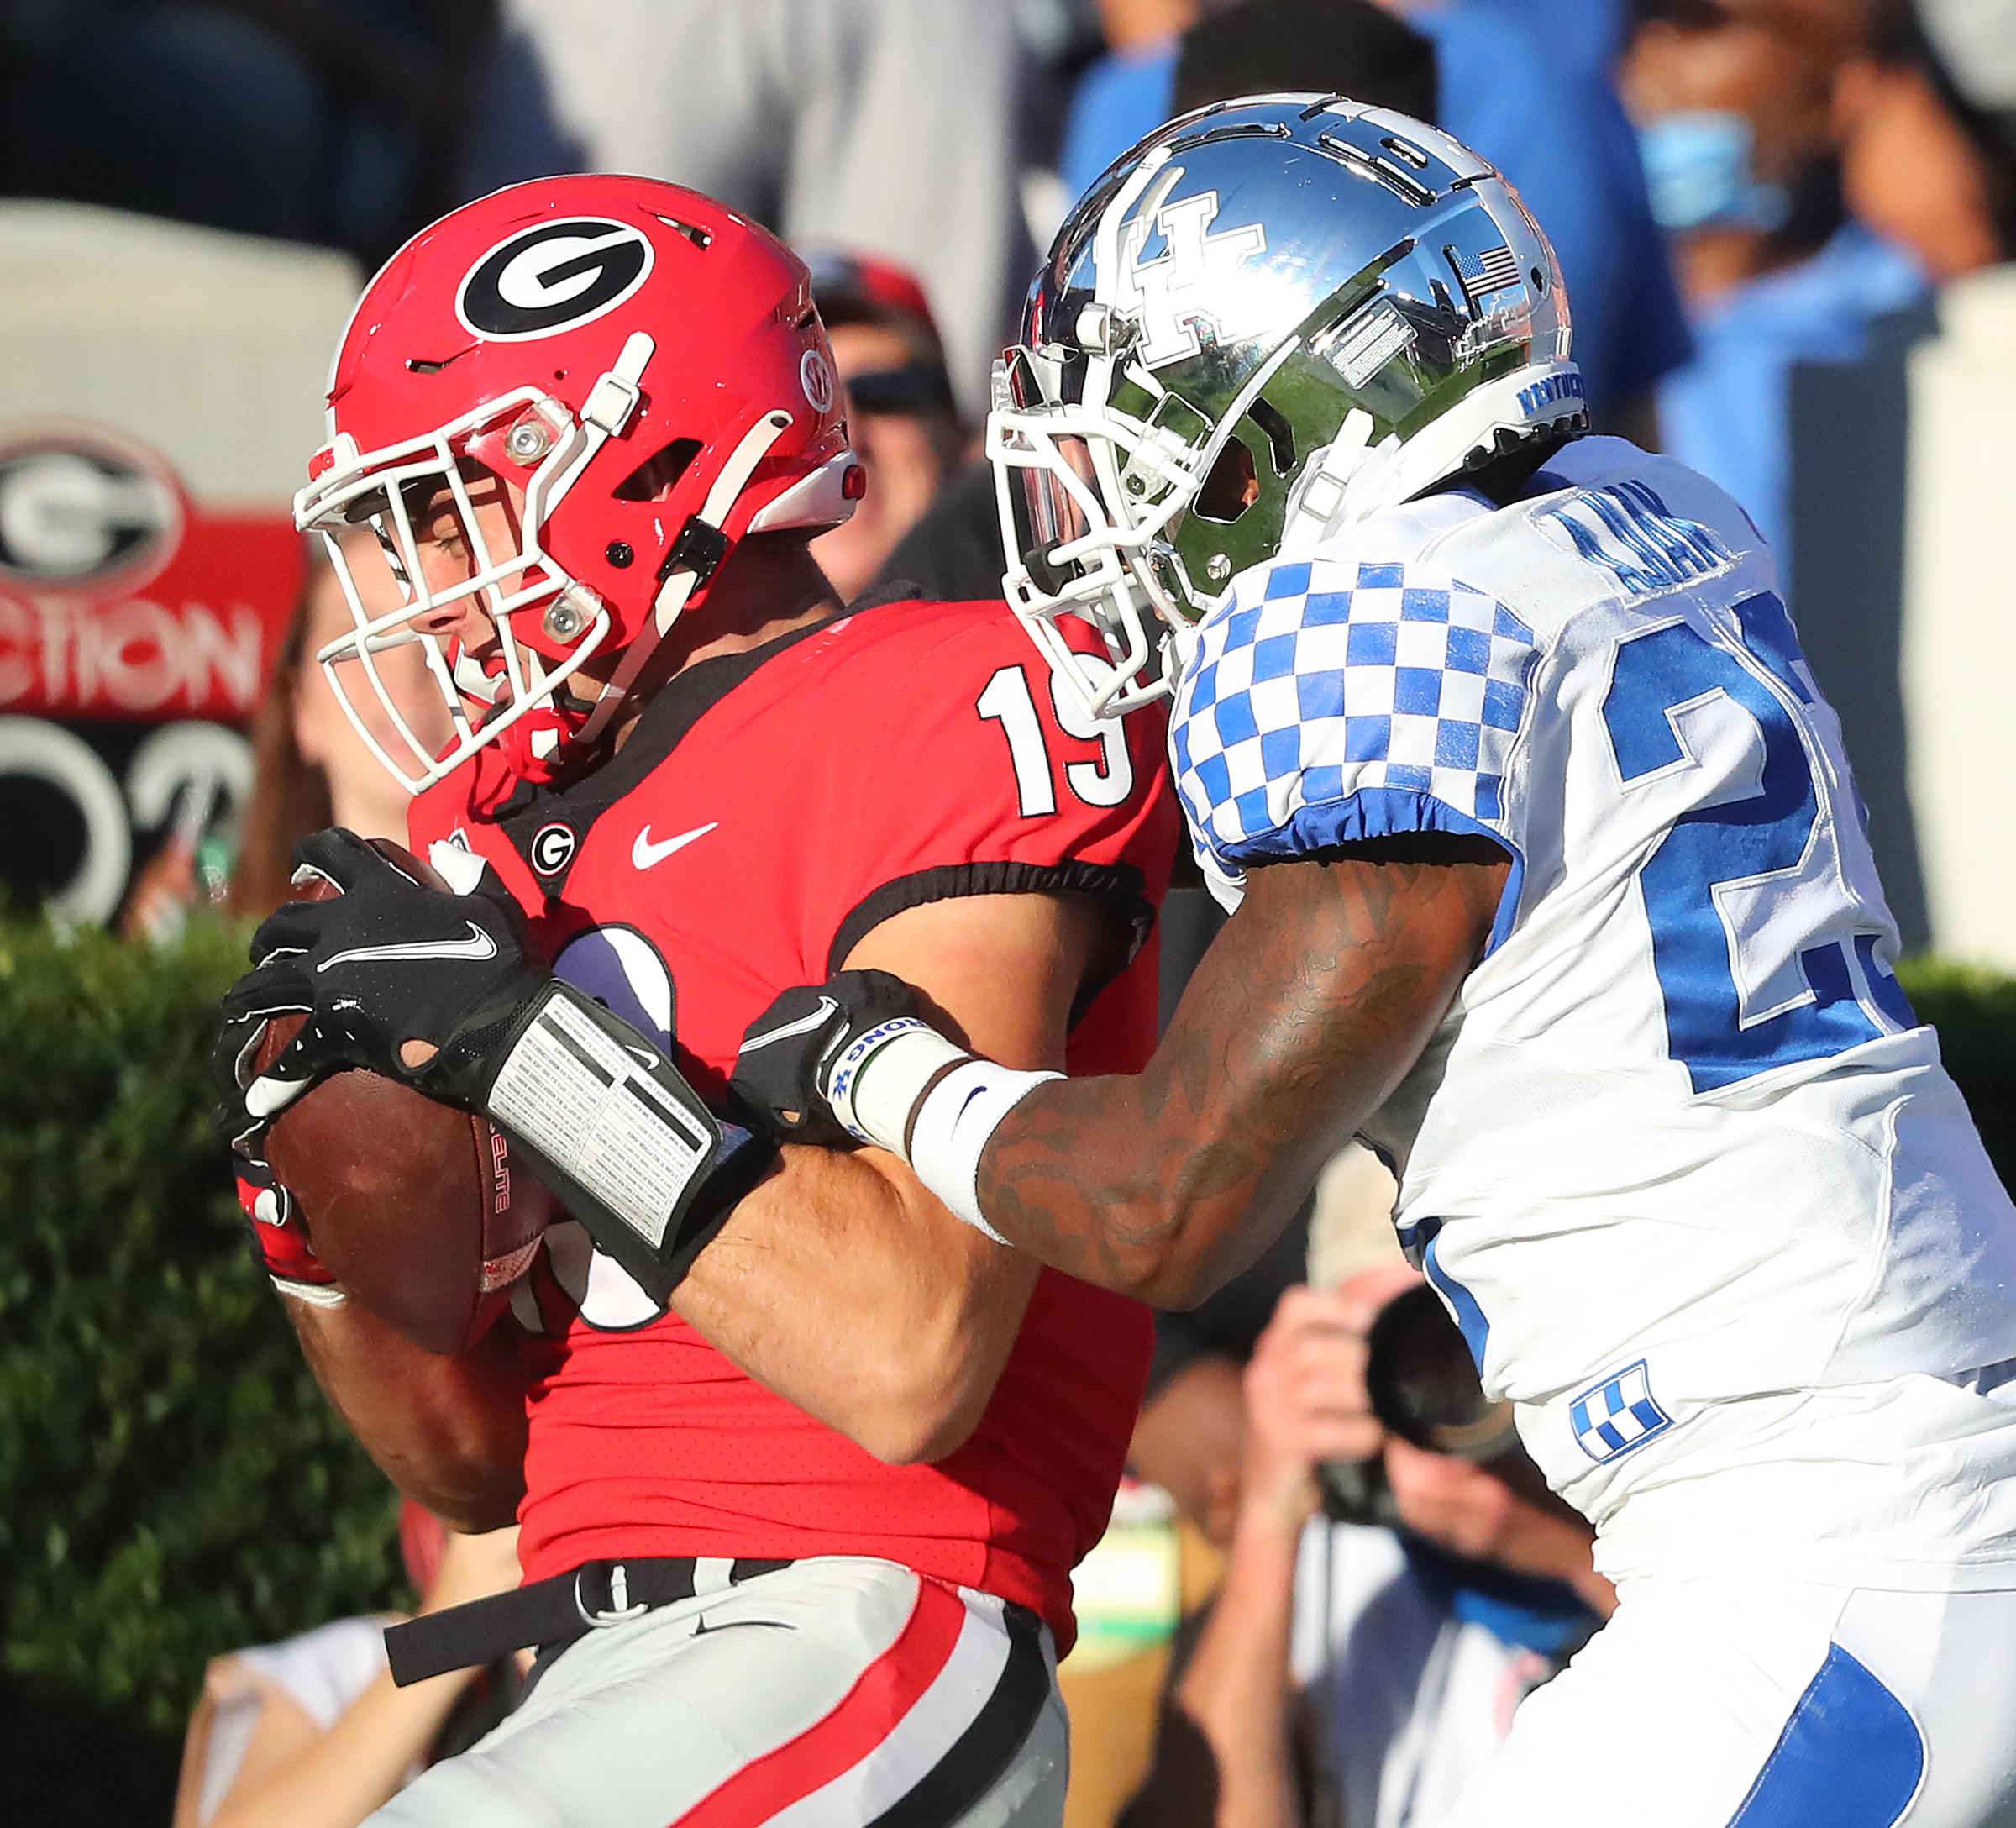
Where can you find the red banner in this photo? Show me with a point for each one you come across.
(198, 640)
(137, 637)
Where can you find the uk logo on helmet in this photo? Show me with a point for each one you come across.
(1190, 280)
(553, 278)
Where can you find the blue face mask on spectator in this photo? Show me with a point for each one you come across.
(1697, 171)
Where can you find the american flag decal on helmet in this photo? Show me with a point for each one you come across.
(1494, 270)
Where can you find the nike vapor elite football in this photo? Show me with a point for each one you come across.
(419, 1209)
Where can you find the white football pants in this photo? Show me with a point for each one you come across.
(1722, 1702)
(835, 1692)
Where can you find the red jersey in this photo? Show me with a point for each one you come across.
(768, 811)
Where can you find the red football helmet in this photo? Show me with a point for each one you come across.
(645, 367)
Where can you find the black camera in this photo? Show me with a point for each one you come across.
(1423, 1387)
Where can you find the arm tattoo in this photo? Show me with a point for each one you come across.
(1307, 1011)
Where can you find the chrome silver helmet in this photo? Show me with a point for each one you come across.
(1272, 318)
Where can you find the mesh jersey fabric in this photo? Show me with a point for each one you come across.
(768, 810)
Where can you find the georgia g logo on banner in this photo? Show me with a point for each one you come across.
(553, 277)
(136, 628)
(84, 507)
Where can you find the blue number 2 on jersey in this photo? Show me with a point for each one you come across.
(1764, 956)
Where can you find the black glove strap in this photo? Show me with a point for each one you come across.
(610, 1126)
(781, 1073)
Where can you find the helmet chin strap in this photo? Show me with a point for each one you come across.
(701, 532)
(1350, 478)
(1179, 647)
(1320, 496)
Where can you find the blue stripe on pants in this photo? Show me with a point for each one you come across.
(1850, 1757)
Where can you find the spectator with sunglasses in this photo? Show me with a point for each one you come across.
(906, 430)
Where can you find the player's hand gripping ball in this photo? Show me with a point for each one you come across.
(404, 970)
(413, 1207)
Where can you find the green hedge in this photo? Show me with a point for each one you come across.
(171, 1484)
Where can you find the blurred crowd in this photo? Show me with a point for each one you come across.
(1737, 189)
(1734, 186)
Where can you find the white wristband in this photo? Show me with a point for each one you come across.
(954, 1125)
(874, 1085)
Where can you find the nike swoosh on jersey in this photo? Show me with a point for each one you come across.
(804, 1025)
(702, 1629)
(643, 853)
(478, 945)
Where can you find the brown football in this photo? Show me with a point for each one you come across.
(420, 1210)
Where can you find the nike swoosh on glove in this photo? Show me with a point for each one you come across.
(789, 1054)
(854, 1060)
(415, 983)
(605, 1119)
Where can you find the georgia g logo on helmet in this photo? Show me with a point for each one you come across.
(553, 278)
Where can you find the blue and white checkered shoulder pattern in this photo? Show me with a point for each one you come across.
(1332, 700)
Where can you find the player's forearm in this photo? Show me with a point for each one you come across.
(449, 1431)
(1305, 1013)
(1303, 1016)
(843, 1286)
(1126, 1183)
(839, 1282)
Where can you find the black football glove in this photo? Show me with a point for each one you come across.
(275, 1225)
(858, 1059)
(440, 990)
(414, 984)
(785, 1071)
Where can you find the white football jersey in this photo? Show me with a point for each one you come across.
(1682, 1162)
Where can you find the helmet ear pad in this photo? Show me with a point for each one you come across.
(616, 528)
